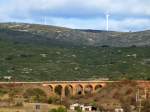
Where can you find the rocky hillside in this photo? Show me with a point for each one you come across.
(51, 35)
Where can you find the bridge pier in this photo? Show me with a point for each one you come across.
(63, 92)
(73, 91)
(83, 91)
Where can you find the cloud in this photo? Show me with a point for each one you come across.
(125, 14)
(78, 8)
(130, 24)
(127, 24)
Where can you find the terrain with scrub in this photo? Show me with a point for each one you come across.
(115, 94)
(43, 53)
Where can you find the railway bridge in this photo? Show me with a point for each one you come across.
(72, 88)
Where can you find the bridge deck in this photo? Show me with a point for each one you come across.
(51, 82)
(58, 82)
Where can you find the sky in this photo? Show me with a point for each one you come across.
(125, 15)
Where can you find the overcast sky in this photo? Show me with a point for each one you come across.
(125, 15)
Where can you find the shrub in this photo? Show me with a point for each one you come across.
(146, 106)
(126, 107)
(78, 109)
(53, 100)
(3, 91)
(53, 110)
(19, 104)
(60, 109)
(35, 95)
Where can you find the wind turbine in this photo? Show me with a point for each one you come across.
(107, 21)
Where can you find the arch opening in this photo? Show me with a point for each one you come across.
(79, 89)
(88, 89)
(68, 90)
(98, 88)
(50, 88)
(58, 90)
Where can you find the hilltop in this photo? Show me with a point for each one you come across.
(31, 52)
(46, 34)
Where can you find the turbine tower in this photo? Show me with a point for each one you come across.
(107, 21)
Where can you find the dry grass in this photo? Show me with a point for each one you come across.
(22, 109)
(4, 97)
(11, 110)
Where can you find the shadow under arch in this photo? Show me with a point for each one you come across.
(51, 89)
(68, 90)
(98, 88)
(79, 89)
(88, 89)
(58, 90)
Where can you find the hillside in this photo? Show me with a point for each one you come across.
(51, 34)
(36, 52)
(115, 94)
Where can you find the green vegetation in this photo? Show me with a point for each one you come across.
(25, 62)
(60, 109)
(113, 96)
(35, 95)
(78, 109)
(42, 53)
(3, 91)
(53, 100)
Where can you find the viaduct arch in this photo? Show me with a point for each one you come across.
(72, 88)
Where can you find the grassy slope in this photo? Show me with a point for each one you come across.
(115, 93)
(27, 63)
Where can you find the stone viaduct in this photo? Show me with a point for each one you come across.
(72, 88)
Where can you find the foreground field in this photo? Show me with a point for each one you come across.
(29, 107)
(11, 110)
(113, 95)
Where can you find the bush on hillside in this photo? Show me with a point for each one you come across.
(60, 109)
(35, 95)
(53, 100)
(146, 106)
